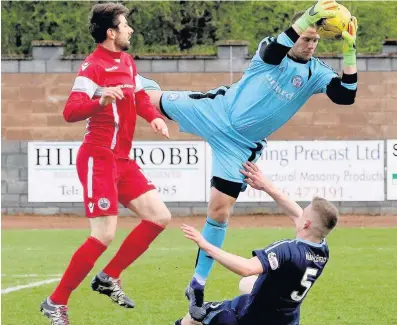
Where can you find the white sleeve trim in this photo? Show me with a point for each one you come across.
(138, 83)
(85, 85)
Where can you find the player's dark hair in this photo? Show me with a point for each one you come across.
(326, 211)
(296, 16)
(104, 16)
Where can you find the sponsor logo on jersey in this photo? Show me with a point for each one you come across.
(316, 258)
(297, 81)
(126, 86)
(273, 261)
(114, 68)
(280, 92)
(104, 203)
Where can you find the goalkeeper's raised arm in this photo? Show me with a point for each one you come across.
(299, 42)
(349, 48)
(273, 50)
(343, 90)
(257, 180)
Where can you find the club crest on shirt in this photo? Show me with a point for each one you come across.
(104, 203)
(273, 261)
(297, 81)
(173, 96)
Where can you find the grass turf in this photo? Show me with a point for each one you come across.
(358, 286)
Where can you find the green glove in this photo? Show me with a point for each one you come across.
(349, 43)
(322, 9)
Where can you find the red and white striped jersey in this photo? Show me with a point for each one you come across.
(111, 126)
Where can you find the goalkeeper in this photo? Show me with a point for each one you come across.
(282, 76)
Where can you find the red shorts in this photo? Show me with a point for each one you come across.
(107, 180)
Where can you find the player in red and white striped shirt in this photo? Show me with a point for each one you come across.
(108, 94)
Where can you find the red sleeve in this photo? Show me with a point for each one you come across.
(144, 107)
(80, 104)
(79, 107)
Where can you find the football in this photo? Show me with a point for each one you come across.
(332, 28)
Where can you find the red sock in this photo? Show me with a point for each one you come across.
(136, 243)
(80, 265)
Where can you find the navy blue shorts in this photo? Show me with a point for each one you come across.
(224, 312)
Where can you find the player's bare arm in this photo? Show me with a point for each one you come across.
(257, 180)
(237, 264)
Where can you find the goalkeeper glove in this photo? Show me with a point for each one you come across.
(349, 43)
(322, 9)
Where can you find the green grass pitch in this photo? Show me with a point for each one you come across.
(358, 287)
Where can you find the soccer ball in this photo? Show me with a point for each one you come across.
(332, 28)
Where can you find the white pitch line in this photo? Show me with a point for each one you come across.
(29, 285)
(29, 275)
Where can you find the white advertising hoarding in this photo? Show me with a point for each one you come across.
(392, 169)
(335, 170)
(52, 175)
(176, 168)
(181, 170)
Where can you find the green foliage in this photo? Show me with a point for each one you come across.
(252, 21)
(182, 26)
(64, 21)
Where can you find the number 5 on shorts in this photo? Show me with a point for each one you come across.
(304, 283)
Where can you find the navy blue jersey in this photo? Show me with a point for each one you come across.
(290, 268)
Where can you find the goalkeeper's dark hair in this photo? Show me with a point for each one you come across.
(104, 16)
(296, 16)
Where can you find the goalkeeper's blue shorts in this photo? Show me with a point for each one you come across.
(206, 118)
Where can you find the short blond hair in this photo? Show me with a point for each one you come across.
(326, 212)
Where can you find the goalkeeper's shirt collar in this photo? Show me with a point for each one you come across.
(298, 60)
